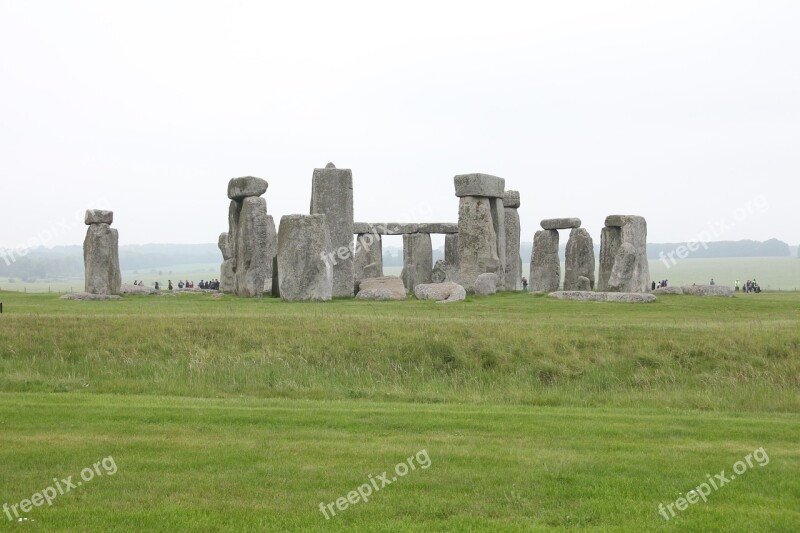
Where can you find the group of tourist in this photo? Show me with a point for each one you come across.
(660, 285)
(749, 286)
(138, 283)
(212, 285)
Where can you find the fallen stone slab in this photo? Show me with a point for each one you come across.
(617, 297)
(382, 288)
(708, 290)
(561, 223)
(483, 185)
(241, 188)
(98, 216)
(440, 292)
(668, 290)
(85, 296)
(128, 288)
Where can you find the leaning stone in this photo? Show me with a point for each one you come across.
(417, 259)
(241, 188)
(579, 260)
(253, 259)
(440, 292)
(477, 240)
(617, 297)
(561, 223)
(101, 260)
(486, 284)
(88, 296)
(382, 288)
(445, 228)
(545, 263)
(332, 196)
(479, 185)
(98, 216)
(708, 290)
(305, 270)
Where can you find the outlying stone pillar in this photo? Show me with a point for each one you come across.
(623, 255)
(305, 258)
(369, 257)
(451, 250)
(417, 260)
(250, 239)
(545, 264)
(227, 277)
(513, 265)
(579, 261)
(332, 196)
(481, 226)
(101, 253)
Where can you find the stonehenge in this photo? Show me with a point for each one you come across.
(250, 243)
(303, 272)
(101, 254)
(332, 196)
(623, 255)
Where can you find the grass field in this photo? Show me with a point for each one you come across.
(246, 415)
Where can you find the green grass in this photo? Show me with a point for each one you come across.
(244, 414)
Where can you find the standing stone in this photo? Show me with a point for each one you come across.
(513, 266)
(417, 260)
(253, 262)
(499, 223)
(579, 260)
(451, 250)
(477, 240)
(442, 272)
(101, 254)
(623, 255)
(272, 253)
(545, 263)
(305, 267)
(369, 257)
(227, 277)
(332, 196)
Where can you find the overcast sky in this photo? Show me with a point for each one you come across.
(683, 112)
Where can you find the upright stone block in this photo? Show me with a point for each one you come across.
(499, 223)
(272, 253)
(477, 240)
(417, 260)
(227, 277)
(332, 196)
(579, 260)
(369, 257)
(451, 250)
(623, 255)
(101, 255)
(305, 258)
(545, 263)
(253, 260)
(513, 265)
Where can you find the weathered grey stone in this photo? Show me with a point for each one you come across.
(451, 251)
(227, 277)
(385, 228)
(272, 253)
(305, 270)
(101, 260)
(252, 248)
(443, 271)
(513, 264)
(561, 223)
(623, 255)
(98, 216)
(668, 290)
(486, 284)
(583, 284)
(241, 188)
(579, 260)
(417, 259)
(479, 185)
(381, 288)
(511, 199)
(617, 297)
(129, 288)
(446, 228)
(332, 196)
(84, 296)
(708, 290)
(477, 241)
(545, 263)
(440, 292)
(499, 223)
(369, 257)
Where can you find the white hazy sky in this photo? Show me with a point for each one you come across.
(683, 111)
